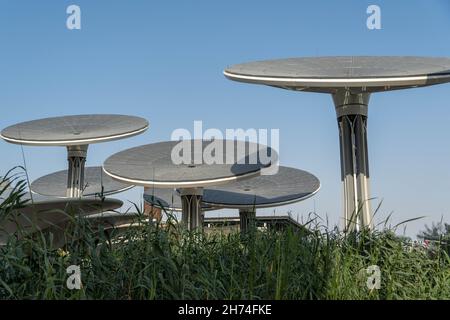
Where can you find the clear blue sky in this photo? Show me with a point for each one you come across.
(163, 60)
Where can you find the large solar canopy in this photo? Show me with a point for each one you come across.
(41, 212)
(287, 186)
(168, 199)
(74, 130)
(153, 165)
(327, 74)
(350, 80)
(96, 182)
(112, 219)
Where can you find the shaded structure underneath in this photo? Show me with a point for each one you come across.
(96, 183)
(288, 185)
(185, 166)
(40, 213)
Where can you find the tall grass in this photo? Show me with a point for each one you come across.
(151, 261)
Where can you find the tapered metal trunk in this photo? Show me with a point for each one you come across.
(247, 219)
(351, 111)
(191, 202)
(76, 156)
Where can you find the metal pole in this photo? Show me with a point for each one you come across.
(76, 156)
(247, 217)
(191, 204)
(351, 111)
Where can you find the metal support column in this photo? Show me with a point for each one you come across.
(76, 156)
(191, 202)
(247, 218)
(351, 111)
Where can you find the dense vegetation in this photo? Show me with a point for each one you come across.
(149, 261)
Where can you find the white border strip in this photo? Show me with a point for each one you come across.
(338, 80)
(87, 195)
(73, 142)
(262, 206)
(190, 184)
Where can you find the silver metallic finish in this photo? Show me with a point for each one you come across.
(191, 202)
(41, 212)
(350, 80)
(96, 183)
(74, 130)
(359, 74)
(152, 165)
(167, 199)
(288, 186)
(112, 219)
(351, 111)
(76, 156)
(76, 133)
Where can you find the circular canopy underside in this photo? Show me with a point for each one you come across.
(168, 199)
(328, 74)
(96, 183)
(287, 186)
(113, 219)
(75, 130)
(152, 165)
(42, 212)
(102, 226)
